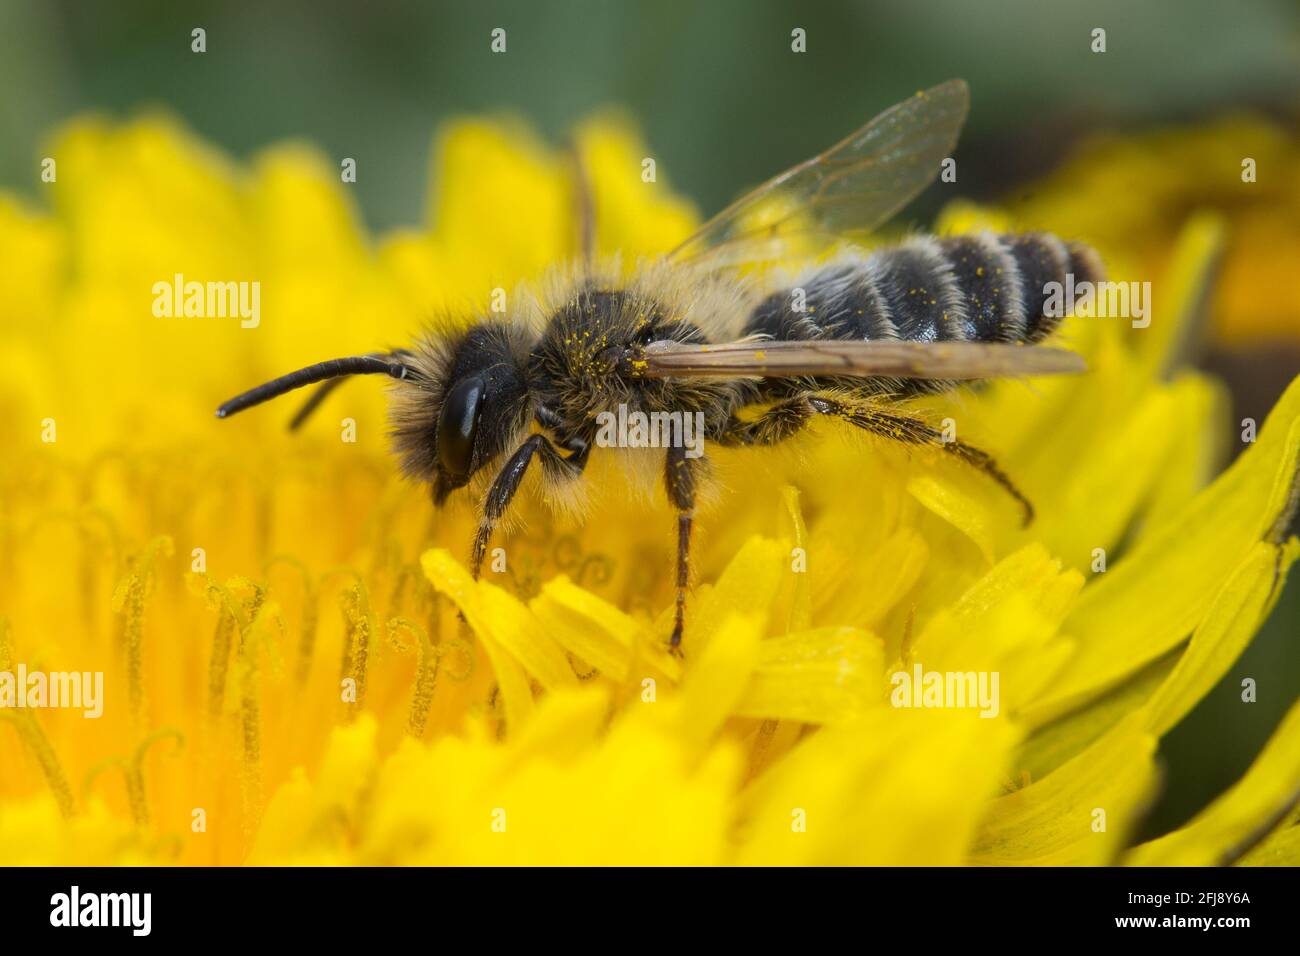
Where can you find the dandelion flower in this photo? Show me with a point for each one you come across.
(278, 618)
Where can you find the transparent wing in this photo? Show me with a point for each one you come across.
(849, 189)
(959, 361)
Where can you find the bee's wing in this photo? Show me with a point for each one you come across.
(958, 361)
(849, 189)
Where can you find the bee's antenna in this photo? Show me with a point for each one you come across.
(334, 368)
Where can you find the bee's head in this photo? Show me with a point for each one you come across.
(461, 401)
(467, 408)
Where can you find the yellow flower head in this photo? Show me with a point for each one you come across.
(298, 668)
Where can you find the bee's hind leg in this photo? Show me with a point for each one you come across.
(507, 481)
(788, 416)
(913, 431)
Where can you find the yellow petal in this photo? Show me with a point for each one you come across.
(800, 594)
(597, 632)
(500, 617)
(1081, 813)
(1008, 622)
(1103, 507)
(964, 505)
(633, 218)
(34, 247)
(1199, 436)
(513, 639)
(717, 680)
(750, 583)
(626, 796)
(568, 725)
(305, 822)
(1194, 265)
(893, 788)
(1056, 742)
(479, 171)
(1238, 611)
(1158, 593)
(34, 832)
(892, 568)
(827, 675)
(1237, 820)
(1280, 849)
(1164, 692)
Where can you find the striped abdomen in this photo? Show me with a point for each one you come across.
(978, 287)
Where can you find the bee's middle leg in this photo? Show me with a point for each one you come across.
(507, 481)
(681, 477)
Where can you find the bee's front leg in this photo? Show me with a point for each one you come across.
(507, 482)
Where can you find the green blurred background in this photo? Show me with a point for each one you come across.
(723, 103)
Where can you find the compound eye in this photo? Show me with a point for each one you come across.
(457, 423)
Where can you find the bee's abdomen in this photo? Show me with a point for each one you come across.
(977, 287)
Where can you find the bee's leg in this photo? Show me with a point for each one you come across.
(913, 431)
(681, 475)
(775, 425)
(787, 417)
(507, 481)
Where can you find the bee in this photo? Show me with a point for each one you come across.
(704, 331)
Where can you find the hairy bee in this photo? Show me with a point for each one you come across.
(853, 338)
